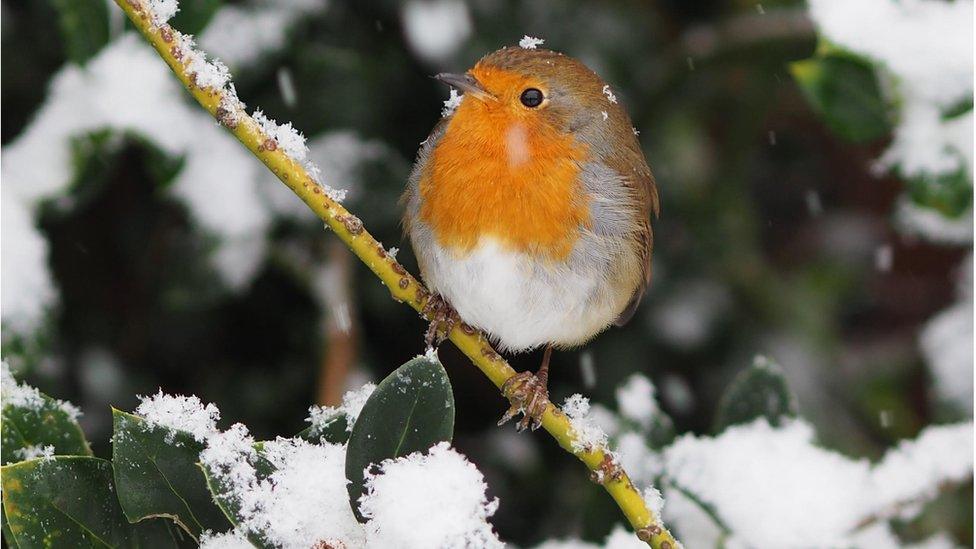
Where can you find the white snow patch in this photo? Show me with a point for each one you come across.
(125, 88)
(947, 344)
(609, 93)
(637, 400)
(588, 434)
(34, 451)
(451, 103)
(234, 539)
(241, 34)
(25, 283)
(182, 413)
(766, 462)
(447, 502)
(22, 395)
(925, 51)
(352, 404)
(162, 11)
(913, 219)
(530, 42)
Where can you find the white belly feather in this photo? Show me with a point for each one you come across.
(519, 301)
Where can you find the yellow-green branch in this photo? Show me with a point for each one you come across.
(404, 287)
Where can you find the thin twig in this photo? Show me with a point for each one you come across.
(402, 285)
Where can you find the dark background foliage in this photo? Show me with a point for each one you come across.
(766, 242)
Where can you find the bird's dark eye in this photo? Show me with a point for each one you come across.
(531, 97)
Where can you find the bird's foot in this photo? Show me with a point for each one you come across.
(527, 394)
(442, 319)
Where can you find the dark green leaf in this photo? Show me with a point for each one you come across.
(949, 194)
(45, 422)
(844, 90)
(7, 536)
(69, 501)
(84, 27)
(157, 476)
(194, 15)
(410, 411)
(759, 391)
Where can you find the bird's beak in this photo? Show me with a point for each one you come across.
(466, 83)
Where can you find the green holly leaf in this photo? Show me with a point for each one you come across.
(157, 475)
(69, 501)
(410, 411)
(759, 391)
(844, 90)
(32, 422)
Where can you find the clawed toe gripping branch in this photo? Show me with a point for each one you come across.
(224, 106)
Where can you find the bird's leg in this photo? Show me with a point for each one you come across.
(442, 319)
(528, 393)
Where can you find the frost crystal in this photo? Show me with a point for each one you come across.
(183, 413)
(292, 143)
(352, 404)
(530, 43)
(451, 103)
(588, 433)
(609, 93)
(32, 452)
(162, 11)
(447, 502)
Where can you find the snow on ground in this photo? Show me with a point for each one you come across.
(435, 29)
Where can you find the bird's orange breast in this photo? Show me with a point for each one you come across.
(496, 175)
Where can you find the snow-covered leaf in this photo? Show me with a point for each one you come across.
(410, 411)
(759, 391)
(33, 424)
(157, 475)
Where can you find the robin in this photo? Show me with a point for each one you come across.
(529, 209)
